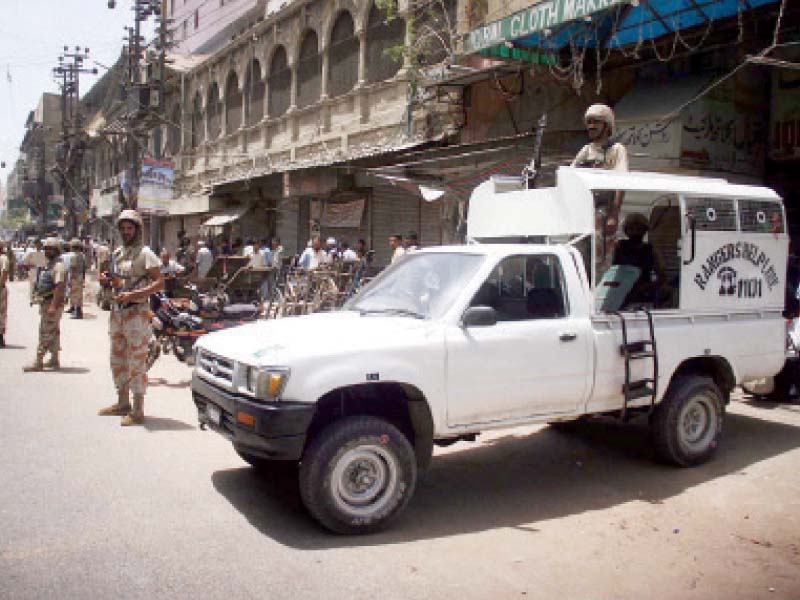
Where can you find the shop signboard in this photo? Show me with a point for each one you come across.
(718, 137)
(534, 19)
(155, 187)
(785, 116)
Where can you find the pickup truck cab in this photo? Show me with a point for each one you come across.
(517, 327)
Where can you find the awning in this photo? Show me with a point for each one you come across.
(228, 216)
(551, 25)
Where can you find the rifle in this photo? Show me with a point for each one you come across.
(531, 171)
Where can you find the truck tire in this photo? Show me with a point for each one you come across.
(687, 423)
(358, 474)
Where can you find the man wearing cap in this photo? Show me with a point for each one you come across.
(49, 294)
(77, 273)
(135, 275)
(5, 269)
(601, 153)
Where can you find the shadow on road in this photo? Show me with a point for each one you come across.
(13, 347)
(161, 382)
(515, 480)
(165, 424)
(755, 402)
(68, 371)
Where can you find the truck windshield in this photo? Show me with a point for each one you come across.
(420, 285)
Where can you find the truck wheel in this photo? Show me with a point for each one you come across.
(358, 474)
(687, 424)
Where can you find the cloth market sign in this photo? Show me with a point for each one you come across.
(535, 19)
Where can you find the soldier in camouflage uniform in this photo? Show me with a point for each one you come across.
(49, 294)
(5, 270)
(135, 274)
(77, 273)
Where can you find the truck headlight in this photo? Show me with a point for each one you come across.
(266, 383)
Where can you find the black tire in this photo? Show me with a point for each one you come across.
(687, 423)
(365, 447)
(264, 466)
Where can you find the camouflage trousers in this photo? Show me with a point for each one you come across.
(76, 292)
(3, 309)
(130, 331)
(49, 329)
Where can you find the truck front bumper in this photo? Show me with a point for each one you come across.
(272, 430)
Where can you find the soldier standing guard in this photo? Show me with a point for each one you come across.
(135, 275)
(49, 294)
(77, 274)
(5, 268)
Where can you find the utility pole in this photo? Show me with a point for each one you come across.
(72, 145)
(139, 95)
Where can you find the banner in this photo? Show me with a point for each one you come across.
(155, 187)
(343, 214)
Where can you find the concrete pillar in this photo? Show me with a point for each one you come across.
(362, 57)
(326, 62)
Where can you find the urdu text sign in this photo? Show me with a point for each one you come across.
(537, 18)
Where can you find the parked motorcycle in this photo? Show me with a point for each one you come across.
(173, 330)
(176, 330)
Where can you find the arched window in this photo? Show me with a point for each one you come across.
(309, 71)
(213, 112)
(197, 129)
(279, 80)
(174, 131)
(253, 93)
(343, 73)
(384, 40)
(233, 104)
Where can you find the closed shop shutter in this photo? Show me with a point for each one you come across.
(396, 210)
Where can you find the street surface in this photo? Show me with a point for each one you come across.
(92, 510)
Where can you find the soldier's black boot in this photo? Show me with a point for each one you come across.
(78, 314)
(2, 340)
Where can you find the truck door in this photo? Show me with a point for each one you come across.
(534, 360)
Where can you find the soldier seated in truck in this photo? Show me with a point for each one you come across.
(650, 286)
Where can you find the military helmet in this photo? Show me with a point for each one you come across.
(601, 112)
(75, 243)
(52, 242)
(130, 215)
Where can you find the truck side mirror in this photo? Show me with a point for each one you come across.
(479, 316)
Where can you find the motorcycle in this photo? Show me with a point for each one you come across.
(176, 330)
(173, 331)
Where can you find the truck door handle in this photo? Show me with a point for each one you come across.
(568, 336)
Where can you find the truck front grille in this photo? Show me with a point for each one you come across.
(216, 366)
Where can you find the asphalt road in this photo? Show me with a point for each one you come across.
(89, 509)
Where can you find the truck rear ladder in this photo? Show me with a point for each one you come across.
(639, 350)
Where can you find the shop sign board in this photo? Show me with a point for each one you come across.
(534, 19)
(716, 136)
(155, 187)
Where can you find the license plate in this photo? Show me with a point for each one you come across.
(214, 414)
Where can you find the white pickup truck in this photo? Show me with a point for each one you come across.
(510, 330)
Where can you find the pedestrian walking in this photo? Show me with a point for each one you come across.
(49, 295)
(135, 275)
(77, 278)
(5, 270)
